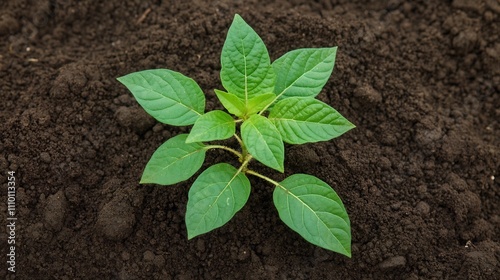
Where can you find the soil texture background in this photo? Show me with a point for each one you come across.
(419, 175)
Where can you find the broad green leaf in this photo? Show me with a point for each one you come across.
(231, 102)
(214, 125)
(216, 195)
(263, 141)
(166, 95)
(174, 161)
(246, 66)
(302, 120)
(312, 208)
(303, 72)
(259, 102)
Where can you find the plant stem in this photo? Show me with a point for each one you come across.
(243, 166)
(244, 151)
(239, 139)
(254, 173)
(238, 154)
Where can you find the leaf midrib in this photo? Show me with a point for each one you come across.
(162, 95)
(218, 197)
(179, 159)
(303, 74)
(289, 193)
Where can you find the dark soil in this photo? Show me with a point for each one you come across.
(419, 175)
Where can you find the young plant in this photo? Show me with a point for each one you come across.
(269, 104)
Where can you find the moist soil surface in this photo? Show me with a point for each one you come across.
(419, 175)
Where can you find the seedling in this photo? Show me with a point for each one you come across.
(268, 104)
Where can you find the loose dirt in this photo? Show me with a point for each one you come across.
(419, 175)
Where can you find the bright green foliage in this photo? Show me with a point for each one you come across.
(166, 95)
(216, 195)
(232, 103)
(246, 66)
(259, 102)
(303, 72)
(235, 105)
(174, 161)
(214, 125)
(263, 141)
(302, 120)
(268, 105)
(312, 208)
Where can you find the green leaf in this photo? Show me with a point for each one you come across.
(312, 208)
(235, 105)
(246, 66)
(259, 102)
(214, 125)
(231, 102)
(303, 72)
(166, 95)
(174, 161)
(302, 120)
(263, 141)
(216, 195)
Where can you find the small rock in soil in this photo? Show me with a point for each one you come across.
(396, 206)
(393, 262)
(149, 256)
(466, 41)
(55, 211)
(157, 128)
(423, 208)
(45, 157)
(116, 219)
(367, 95)
(125, 256)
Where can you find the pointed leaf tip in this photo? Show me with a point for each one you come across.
(303, 72)
(246, 67)
(304, 120)
(312, 209)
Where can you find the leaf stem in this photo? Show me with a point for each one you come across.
(239, 139)
(244, 151)
(254, 173)
(243, 166)
(238, 154)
